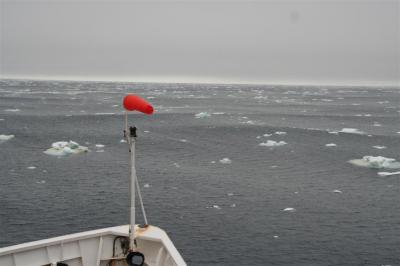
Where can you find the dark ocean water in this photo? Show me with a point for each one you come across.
(216, 214)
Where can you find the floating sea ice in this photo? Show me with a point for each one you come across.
(233, 205)
(289, 209)
(31, 167)
(376, 162)
(330, 145)
(99, 146)
(99, 150)
(62, 148)
(183, 140)
(177, 165)
(379, 147)
(230, 194)
(272, 143)
(337, 191)
(351, 131)
(388, 173)
(218, 113)
(280, 133)
(225, 161)
(212, 162)
(122, 141)
(4, 138)
(376, 124)
(1, 119)
(202, 115)
(41, 182)
(276, 237)
(12, 110)
(216, 207)
(333, 132)
(146, 185)
(267, 135)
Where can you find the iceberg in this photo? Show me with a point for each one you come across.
(4, 138)
(351, 131)
(202, 115)
(289, 209)
(330, 145)
(272, 143)
(225, 161)
(63, 148)
(388, 173)
(376, 162)
(379, 147)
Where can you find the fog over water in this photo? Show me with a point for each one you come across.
(344, 42)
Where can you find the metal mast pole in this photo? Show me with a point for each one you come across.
(132, 137)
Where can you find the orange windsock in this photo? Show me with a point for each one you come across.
(135, 103)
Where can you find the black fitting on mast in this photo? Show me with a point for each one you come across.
(132, 132)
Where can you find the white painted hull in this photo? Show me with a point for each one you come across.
(94, 248)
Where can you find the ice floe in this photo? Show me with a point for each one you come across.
(4, 138)
(225, 161)
(122, 141)
(230, 194)
(272, 143)
(379, 147)
(351, 131)
(337, 191)
(376, 162)
(216, 207)
(330, 145)
(280, 133)
(31, 167)
(233, 205)
(289, 209)
(146, 185)
(99, 146)
(202, 115)
(63, 148)
(12, 110)
(388, 173)
(267, 135)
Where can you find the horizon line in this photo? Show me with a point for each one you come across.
(181, 80)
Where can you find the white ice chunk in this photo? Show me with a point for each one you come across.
(267, 135)
(333, 132)
(31, 167)
(225, 161)
(4, 138)
(337, 191)
(230, 194)
(216, 207)
(12, 110)
(272, 143)
(289, 209)
(376, 162)
(63, 148)
(330, 145)
(233, 205)
(351, 131)
(122, 141)
(379, 147)
(388, 173)
(146, 185)
(202, 115)
(280, 133)
(99, 146)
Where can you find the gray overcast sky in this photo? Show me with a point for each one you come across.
(341, 42)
